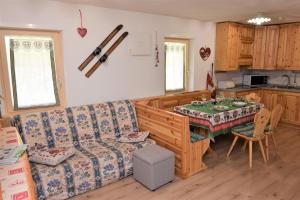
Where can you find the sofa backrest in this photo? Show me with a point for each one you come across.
(76, 125)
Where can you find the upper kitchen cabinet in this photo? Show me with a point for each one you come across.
(265, 48)
(286, 46)
(296, 50)
(272, 35)
(289, 47)
(226, 47)
(234, 46)
(245, 45)
(259, 47)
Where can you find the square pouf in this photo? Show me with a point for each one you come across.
(153, 166)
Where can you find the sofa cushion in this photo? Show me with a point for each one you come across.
(132, 137)
(52, 156)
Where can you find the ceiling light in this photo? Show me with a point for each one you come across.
(259, 19)
(30, 25)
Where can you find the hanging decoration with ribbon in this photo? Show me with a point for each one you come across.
(81, 30)
(156, 51)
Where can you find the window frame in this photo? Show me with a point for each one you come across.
(4, 71)
(185, 67)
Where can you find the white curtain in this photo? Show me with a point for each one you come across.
(175, 53)
(32, 70)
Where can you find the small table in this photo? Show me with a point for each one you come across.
(218, 122)
(15, 179)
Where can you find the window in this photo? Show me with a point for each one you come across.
(31, 70)
(176, 54)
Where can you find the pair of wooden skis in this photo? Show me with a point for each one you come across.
(98, 50)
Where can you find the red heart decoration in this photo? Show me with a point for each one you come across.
(82, 31)
(204, 53)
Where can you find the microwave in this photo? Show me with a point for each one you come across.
(255, 80)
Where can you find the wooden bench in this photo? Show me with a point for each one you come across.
(172, 130)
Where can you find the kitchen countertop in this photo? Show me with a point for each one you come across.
(241, 88)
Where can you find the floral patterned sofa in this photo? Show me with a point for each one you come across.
(92, 130)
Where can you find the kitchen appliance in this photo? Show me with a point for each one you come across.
(255, 80)
(226, 84)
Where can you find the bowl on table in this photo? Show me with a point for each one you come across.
(239, 103)
(221, 108)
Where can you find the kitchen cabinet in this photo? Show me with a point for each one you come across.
(259, 47)
(290, 102)
(234, 46)
(226, 47)
(263, 47)
(296, 50)
(269, 98)
(286, 46)
(288, 57)
(245, 45)
(271, 47)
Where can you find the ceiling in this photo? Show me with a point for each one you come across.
(207, 10)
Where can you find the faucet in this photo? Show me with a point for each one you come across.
(288, 78)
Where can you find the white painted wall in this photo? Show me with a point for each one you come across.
(123, 76)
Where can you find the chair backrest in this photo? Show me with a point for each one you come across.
(261, 119)
(253, 97)
(275, 116)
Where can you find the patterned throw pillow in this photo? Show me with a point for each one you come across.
(133, 137)
(52, 156)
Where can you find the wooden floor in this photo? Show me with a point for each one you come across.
(226, 178)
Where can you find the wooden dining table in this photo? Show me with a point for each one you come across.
(217, 122)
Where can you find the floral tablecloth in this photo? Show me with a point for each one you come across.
(218, 122)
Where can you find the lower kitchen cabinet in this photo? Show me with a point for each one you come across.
(290, 102)
(291, 112)
(270, 98)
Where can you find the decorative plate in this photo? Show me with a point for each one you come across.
(221, 108)
(239, 103)
(198, 103)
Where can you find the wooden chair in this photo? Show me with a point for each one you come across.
(253, 97)
(275, 118)
(252, 133)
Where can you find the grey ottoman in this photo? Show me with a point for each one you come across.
(153, 166)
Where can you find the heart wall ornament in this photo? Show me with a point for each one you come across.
(81, 30)
(204, 53)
